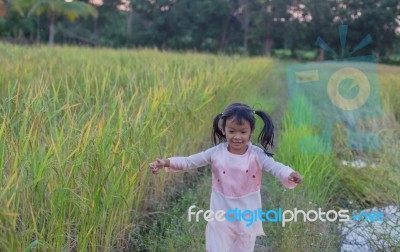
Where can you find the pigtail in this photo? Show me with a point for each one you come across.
(216, 131)
(266, 137)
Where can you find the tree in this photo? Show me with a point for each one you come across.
(376, 18)
(322, 22)
(243, 14)
(270, 21)
(3, 12)
(182, 24)
(55, 8)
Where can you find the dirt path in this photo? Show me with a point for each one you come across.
(276, 85)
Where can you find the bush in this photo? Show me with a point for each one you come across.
(282, 53)
(306, 54)
(393, 59)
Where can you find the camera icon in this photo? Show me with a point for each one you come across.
(323, 94)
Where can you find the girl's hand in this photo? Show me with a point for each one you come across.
(157, 165)
(295, 177)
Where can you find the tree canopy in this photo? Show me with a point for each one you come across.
(72, 10)
(251, 27)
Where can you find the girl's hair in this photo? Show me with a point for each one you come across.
(240, 112)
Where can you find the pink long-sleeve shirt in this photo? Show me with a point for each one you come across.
(236, 179)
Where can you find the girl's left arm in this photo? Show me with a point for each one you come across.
(288, 177)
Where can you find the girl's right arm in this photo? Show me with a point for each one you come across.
(158, 164)
(176, 164)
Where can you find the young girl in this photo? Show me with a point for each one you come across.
(237, 167)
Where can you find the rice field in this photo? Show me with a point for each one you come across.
(79, 126)
(328, 184)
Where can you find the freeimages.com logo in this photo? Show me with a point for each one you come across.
(344, 90)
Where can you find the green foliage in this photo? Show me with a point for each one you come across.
(392, 59)
(183, 24)
(377, 18)
(217, 26)
(70, 9)
(2, 26)
(80, 126)
(282, 53)
(306, 55)
(327, 185)
(54, 8)
(170, 228)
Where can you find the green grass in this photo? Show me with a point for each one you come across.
(79, 127)
(173, 230)
(327, 184)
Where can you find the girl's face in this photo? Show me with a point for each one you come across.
(237, 135)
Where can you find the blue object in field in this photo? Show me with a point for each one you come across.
(323, 94)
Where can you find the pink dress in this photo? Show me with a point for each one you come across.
(236, 183)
